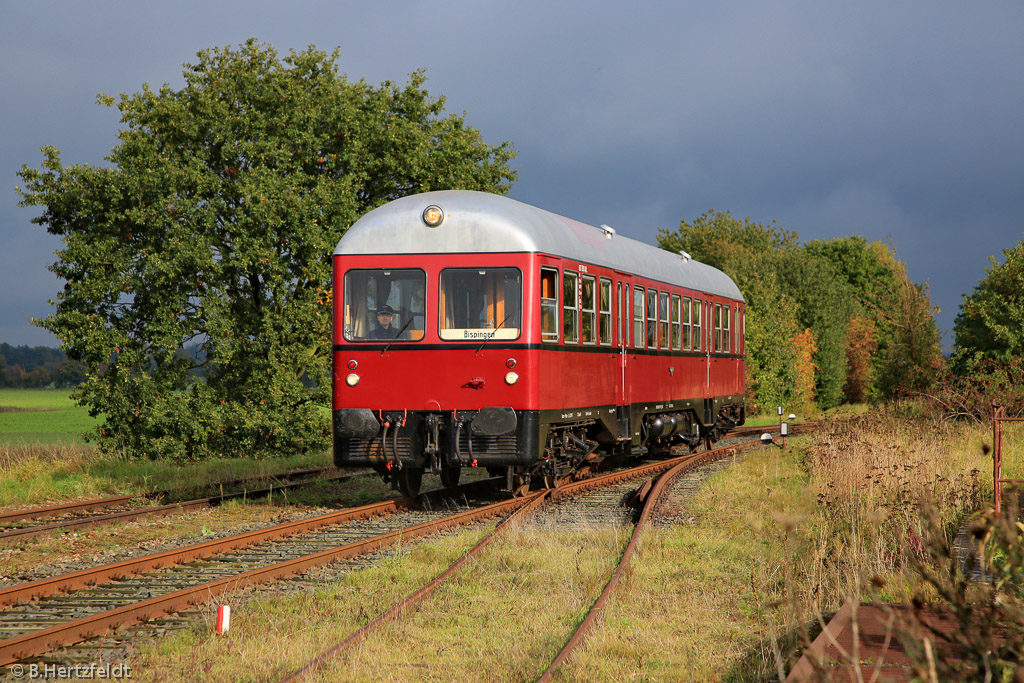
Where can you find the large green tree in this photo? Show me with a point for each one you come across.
(749, 253)
(824, 305)
(905, 353)
(990, 324)
(211, 226)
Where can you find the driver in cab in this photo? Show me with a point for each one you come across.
(384, 328)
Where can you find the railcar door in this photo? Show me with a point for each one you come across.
(622, 299)
(708, 333)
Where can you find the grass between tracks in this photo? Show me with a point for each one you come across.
(774, 540)
(501, 619)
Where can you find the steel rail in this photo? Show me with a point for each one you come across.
(154, 511)
(47, 639)
(111, 572)
(114, 501)
(534, 501)
(653, 498)
(67, 508)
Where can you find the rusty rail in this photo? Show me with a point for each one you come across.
(48, 639)
(653, 498)
(154, 511)
(533, 501)
(96, 575)
(114, 501)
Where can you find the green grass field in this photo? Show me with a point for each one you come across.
(43, 416)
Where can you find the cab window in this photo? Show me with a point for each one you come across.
(384, 304)
(480, 303)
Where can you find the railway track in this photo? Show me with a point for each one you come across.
(41, 616)
(589, 503)
(70, 517)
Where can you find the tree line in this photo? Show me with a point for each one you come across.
(211, 224)
(828, 321)
(36, 367)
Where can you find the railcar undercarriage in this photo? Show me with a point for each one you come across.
(402, 445)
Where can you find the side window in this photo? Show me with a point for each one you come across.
(675, 323)
(741, 343)
(718, 328)
(687, 339)
(589, 310)
(570, 307)
(638, 317)
(726, 329)
(549, 305)
(698, 306)
(663, 318)
(652, 318)
(606, 311)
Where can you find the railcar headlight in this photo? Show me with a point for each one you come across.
(433, 215)
(511, 378)
(352, 379)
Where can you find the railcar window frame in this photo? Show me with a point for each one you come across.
(741, 329)
(605, 333)
(718, 327)
(698, 307)
(726, 328)
(349, 316)
(570, 307)
(676, 325)
(588, 310)
(638, 316)
(652, 318)
(448, 330)
(549, 305)
(663, 323)
(687, 329)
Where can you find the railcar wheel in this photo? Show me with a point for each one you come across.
(409, 480)
(520, 485)
(450, 477)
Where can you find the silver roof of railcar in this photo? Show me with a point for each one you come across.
(490, 223)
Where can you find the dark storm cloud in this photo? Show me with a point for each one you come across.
(895, 122)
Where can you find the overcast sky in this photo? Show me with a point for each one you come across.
(901, 121)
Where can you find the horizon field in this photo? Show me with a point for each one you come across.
(45, 416)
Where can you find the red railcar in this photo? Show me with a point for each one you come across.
(472, 330)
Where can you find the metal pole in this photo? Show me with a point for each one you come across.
(997, 458)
